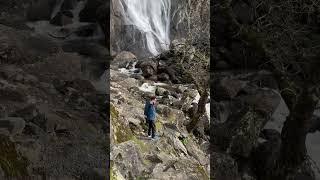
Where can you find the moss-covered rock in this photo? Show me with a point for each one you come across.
(121, 131)
(246, 136)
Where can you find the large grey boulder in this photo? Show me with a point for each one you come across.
(11, 125)
(127, 159)
(123, 59)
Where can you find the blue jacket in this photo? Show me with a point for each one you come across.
(150, 111)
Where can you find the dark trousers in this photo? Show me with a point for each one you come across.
(152, 128)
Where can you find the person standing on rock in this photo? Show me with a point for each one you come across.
(150, 113)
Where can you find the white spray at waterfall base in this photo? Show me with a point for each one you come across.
(152, 18)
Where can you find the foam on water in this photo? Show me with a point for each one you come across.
(146, 87)
(152, 17)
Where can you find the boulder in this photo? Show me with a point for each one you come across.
(163, 77)
(127, 159)
(149, 68)
(123, 59)
(161, 91)
(195, 151)
(12, 125)
(227, 88)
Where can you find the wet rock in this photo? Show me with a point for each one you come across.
(149, 68)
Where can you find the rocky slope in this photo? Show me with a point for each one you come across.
(53, 121)
(177, 154)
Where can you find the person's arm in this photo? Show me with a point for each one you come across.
(145, 108)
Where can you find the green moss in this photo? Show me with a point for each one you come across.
(114, 175)
(143, 146)
(171, 118)
(203, 172)
(11, 162)
(121, 131)
(114, 113)
(159, 125)
(184, 141)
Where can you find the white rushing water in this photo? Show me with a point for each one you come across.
(152, 17)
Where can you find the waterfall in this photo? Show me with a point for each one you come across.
(152, 18)
(56, 8)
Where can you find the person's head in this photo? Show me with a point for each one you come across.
(152, 98)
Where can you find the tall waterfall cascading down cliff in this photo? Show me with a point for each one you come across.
(152, 19)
